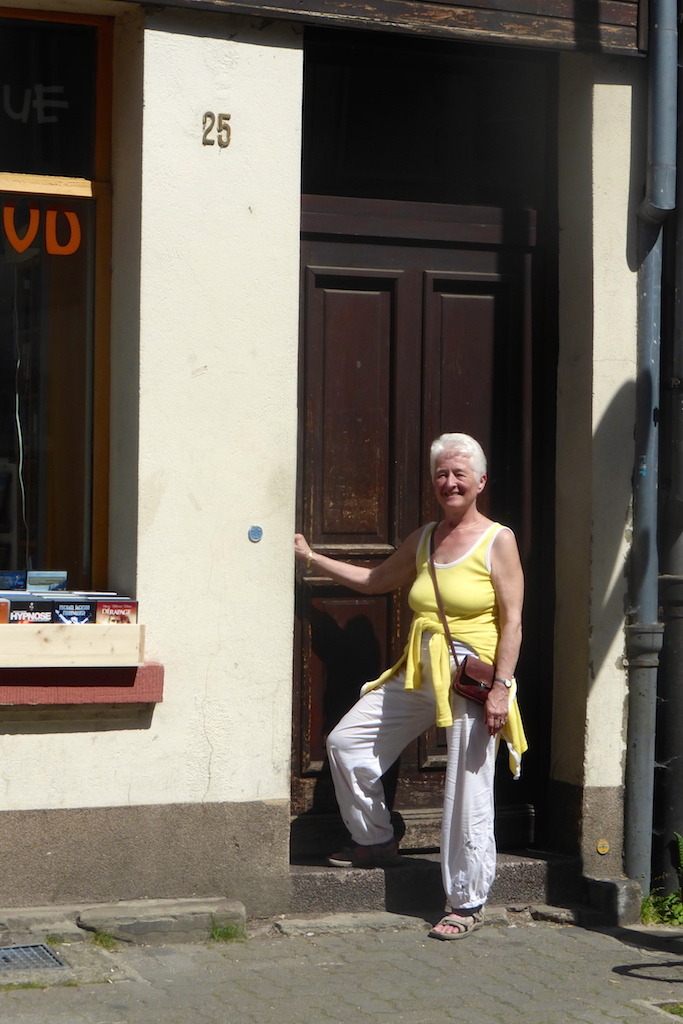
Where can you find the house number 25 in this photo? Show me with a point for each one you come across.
(217, 125)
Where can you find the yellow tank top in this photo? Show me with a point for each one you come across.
(466, 591)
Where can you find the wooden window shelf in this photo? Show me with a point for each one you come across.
(91, 645)
(95, 663)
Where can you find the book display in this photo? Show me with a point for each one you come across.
(68, 608)
(51, 627)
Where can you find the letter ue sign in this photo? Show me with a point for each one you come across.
(52, 245)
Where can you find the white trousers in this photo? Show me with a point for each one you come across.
(367, 741)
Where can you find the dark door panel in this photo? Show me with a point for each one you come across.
(354, 315)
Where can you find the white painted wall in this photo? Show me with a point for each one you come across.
(205, 327)
(597, 370)
(614, 374)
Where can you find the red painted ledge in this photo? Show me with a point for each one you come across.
(143, 684)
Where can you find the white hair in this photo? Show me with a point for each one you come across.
(458, 444)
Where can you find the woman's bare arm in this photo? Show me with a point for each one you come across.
(395, 571)
(508, 583)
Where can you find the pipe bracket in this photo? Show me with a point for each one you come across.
(644, 643)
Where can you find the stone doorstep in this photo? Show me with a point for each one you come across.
(415, 885)
(152, 922)
(530, 879)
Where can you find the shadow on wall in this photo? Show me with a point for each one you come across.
(22, 720)
(612, 486)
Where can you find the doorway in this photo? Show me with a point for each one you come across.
(428, 285)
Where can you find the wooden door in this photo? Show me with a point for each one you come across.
(416, 318)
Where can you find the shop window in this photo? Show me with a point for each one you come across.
(54, 288)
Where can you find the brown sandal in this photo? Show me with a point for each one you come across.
(466, 922)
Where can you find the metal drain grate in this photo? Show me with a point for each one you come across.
(28, 958)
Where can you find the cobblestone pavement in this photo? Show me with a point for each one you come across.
(532, 973)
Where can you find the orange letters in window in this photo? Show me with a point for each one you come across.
(52, 245)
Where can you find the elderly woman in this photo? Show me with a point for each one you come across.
(480, 579)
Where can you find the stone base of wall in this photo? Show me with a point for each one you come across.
(587, 821)
(101, 854)
(602, 839)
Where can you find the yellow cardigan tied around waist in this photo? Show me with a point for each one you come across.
(440, 664)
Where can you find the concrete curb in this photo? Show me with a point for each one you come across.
(153, 922)
(156, 922)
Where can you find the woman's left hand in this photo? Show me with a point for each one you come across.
(496, 708)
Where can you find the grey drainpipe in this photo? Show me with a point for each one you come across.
(669, 752)
(644, 631)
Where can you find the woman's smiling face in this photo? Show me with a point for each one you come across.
(455, 482)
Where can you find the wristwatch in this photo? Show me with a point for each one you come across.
(507, 683)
